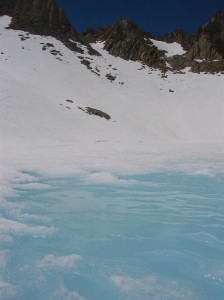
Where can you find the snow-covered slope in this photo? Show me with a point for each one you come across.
(38, 74)
(34, 84)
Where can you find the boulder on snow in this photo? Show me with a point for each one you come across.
(95, 112)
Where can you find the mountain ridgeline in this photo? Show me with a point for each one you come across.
(204, 51)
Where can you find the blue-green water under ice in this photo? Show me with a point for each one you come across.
(151, 237)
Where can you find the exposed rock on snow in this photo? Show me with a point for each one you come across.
(96, 112)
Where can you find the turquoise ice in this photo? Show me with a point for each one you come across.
(158, 236)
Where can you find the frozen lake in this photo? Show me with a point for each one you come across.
(151, 237)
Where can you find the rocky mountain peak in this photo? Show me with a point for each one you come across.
(37, 15)
(125, 39)
(126, 29)
(122, 29)
(42, 17)
(218, 16)
(209, 40)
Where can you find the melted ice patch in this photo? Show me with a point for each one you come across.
(162, 240)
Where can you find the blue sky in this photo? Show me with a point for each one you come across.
(156, 17)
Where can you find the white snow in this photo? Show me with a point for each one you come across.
(171, 48)
(150, 127)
